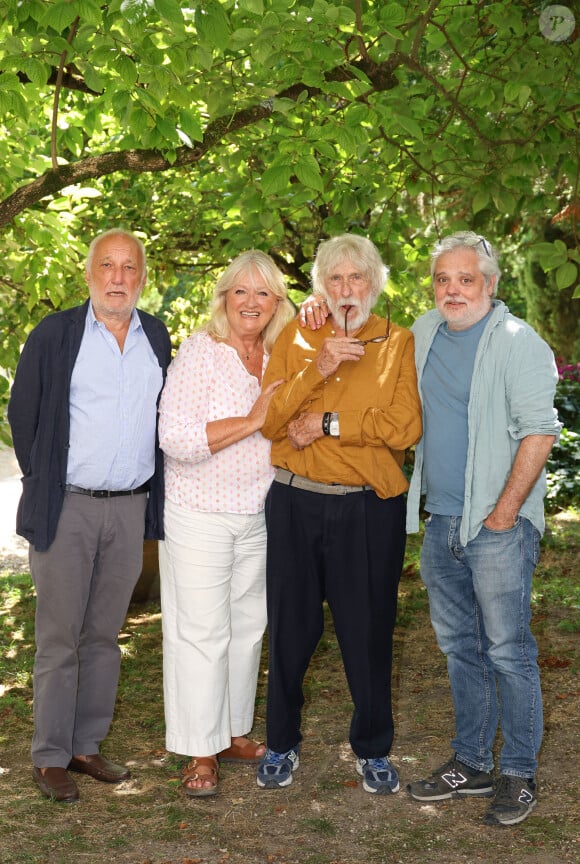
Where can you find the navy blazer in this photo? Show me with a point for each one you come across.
(39, 417)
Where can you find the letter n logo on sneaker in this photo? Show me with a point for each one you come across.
(454, 779)
(525, 796)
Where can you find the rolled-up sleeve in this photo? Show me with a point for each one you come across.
(530, 388)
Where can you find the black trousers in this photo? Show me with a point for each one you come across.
(347, 549)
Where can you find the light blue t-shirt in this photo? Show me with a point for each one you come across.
(446, 389)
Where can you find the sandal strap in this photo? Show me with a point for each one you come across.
(190, 772)
(246, 752)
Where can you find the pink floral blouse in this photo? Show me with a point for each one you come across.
(208, 381)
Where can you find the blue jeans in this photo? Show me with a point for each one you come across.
(479, 596)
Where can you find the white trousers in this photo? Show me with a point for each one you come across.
(213, 604)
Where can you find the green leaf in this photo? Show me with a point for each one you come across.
(346, 140)
(566, 275)
(93, 79)
(516, 93)
(101, 55)
(59, 16)
(524, 95)
(139, 121)
(276, 179)
(36, 71)
(213, 25)
(550, 255)
(9, 81)
(308, 172)
(4, 103)
(133, 10)
(254, 6)
(89, 11)
(356, 114)
(504, 201)
(126, 69)
(392, 15)
(121, 102)
(167, 129)
(170, 10)
(190, 122)
(243, 37)
(411, 125)
(480, 201)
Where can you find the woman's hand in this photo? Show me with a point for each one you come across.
(259, 409)
(313, 312)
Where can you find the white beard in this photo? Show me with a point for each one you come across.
(358, 312)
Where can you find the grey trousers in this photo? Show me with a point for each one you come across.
(84, 583)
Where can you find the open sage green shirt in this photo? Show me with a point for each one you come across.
(512, 396)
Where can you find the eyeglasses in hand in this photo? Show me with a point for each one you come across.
(376, 338)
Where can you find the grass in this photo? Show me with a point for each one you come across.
(324, 817)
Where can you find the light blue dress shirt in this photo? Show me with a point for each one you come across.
(113, 409)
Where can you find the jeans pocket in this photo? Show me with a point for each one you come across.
(503, 530)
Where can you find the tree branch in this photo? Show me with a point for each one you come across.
(143, 161)
(57, 90)
(381, 76)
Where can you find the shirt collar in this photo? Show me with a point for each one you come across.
(135, 323)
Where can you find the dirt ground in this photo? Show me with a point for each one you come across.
(324, 817)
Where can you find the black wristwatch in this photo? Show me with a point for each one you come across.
(330, 424)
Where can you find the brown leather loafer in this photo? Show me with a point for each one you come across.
(99, 768)
(56, 784)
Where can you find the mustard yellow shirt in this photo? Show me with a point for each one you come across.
(376, 399)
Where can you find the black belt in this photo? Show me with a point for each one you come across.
(298, 482)
(106, 493)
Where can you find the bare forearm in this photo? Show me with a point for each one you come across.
(222, 433)
(530, 459)
(229, 430)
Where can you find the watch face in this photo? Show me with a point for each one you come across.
(334, 427)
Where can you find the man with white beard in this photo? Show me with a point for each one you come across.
(335, 513)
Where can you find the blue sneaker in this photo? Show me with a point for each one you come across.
(379, 775)
(275, 769)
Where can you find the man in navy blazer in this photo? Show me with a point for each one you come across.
(83, 414)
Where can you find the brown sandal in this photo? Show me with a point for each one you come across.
(250, 752)
(209, 775)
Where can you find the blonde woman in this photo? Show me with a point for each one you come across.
(212, 562)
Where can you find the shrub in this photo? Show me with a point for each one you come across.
(563, 468)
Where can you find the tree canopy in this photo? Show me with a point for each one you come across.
(226, 124)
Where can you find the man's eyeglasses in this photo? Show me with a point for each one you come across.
(484, 244)
(376, 338)
(353, 280)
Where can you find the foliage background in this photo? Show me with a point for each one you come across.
(225, 124)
